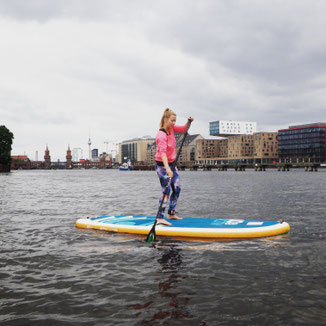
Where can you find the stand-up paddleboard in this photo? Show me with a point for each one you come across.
(188, 227)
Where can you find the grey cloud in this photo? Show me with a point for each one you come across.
(30, 9)
(258, 39)
(250, 60)
(14, 107)
(275, 46)
(88, 10)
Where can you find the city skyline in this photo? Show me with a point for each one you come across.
(77, 153)
(114, 153)
(70, 68)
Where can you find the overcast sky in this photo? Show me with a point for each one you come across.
(108, 69)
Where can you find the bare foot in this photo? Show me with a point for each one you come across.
(174, 217)
(163, 221)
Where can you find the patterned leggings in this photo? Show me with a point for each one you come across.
(174, 185)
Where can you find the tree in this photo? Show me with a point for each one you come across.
(6, 137)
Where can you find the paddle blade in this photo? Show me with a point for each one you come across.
(151, 237)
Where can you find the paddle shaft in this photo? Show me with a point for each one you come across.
(165, 193)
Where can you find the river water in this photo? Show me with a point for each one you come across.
(52, 273)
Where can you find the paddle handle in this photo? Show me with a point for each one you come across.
(183, 140)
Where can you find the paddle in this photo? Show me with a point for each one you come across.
(151, 237)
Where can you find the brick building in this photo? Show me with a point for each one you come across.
(20, 162)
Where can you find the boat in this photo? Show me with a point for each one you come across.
(126, 166)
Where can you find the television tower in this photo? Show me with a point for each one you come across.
(107, 146)
(89, 148)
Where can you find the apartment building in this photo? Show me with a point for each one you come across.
(210, 149)
(187, 155)
(224, 148)
(261, 147)
(241, 147)
(265, 147)
(207, 148)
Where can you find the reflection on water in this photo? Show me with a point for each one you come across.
(53, 273)
(175, 305)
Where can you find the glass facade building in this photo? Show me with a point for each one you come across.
(227, 128)
(134, 150)
(304, 142)
(95, 153)
(129, 152)
(214, 128)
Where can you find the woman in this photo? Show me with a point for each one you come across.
(165, 156)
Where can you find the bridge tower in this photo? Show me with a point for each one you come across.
(68, 158)
(47, 159)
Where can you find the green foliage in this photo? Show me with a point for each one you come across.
(6, 137)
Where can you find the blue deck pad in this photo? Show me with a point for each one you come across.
(186, 222)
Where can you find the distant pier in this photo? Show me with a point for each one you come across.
(284, 167)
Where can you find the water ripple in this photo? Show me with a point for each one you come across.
(53, 273)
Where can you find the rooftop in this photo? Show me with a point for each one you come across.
(146, 138)
(308, 125)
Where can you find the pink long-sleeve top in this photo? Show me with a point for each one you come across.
(165, 144)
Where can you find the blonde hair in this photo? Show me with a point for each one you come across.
(166, 115)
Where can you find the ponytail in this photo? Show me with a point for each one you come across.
(166, 115)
